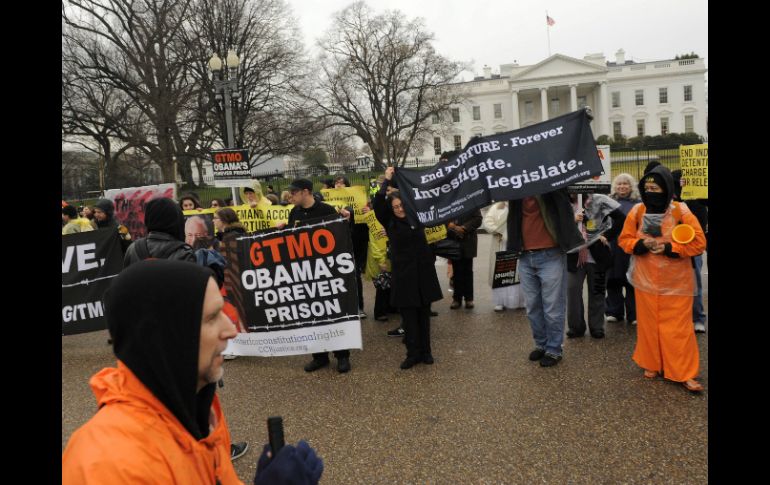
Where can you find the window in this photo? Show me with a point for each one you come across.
(436, 119)
(616, 99)
(458, 143)
(437, 145)
(663, 95)
(639, 127)
(617, 131)
(581, 102)
(529, 109)
(498, 111)
(689, 121)
(554, 106)
(455, 115)
(688, 93)
(639, 97)
(664, 126)
(476, 113)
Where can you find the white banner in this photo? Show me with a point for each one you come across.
(306, 340)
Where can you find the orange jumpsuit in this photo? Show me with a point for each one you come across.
(664, 289)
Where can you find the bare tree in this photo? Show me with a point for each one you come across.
(338, 147)
(381, 77)
(269, 119)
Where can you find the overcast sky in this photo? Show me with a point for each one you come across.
(495, 32)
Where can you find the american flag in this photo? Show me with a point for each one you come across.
(549, 20)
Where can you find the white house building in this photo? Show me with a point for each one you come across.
(627, 98)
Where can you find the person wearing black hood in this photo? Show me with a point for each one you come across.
(664, 282)
(159, 418)
(104, 216)
(165, 239)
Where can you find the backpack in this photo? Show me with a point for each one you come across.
(143, 249)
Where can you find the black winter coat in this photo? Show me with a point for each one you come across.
(414, 282)
(470, 241)
(162, 246)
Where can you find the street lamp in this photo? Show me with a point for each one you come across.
(226, 85)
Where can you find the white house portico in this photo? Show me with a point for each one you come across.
(627, 98)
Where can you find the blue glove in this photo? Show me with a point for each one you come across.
(291, 466)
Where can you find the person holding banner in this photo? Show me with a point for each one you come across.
(104, 216)
(72, 223)
(542, 228)
(625, 192)
(664, 281)
(307, 208)
(160, 419)
(189, 202)
(464, 231)
(414, 283)
(253, 196)
(360, 244)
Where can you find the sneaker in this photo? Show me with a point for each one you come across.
(396, 332)
(410, 362)
(598, 334)
(700, 328)
(427, 359)
(469, 304)
(362, 314)
(536, 354)
(229, 356)
(455, 305)
(237, 450)
(549, 360)
(314, 365)
(499, 308)
(343, 365)
(611, 319)
(633, 322)
(575, 334)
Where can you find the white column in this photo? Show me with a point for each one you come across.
(515, 110)
(573, 97)
(544, 103)
(604, 112)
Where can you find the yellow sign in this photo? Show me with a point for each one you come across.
(436, 233)
(694, 160)
(354, 196)
(262, 216)
(377, 232)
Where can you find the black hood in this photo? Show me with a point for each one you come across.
(106, 206)
(662, 176)
(164, 215)
(154, 312)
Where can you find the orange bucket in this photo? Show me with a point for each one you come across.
(683, 233)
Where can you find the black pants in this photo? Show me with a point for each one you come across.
(463, 279)
(324, 356)
(416, 323)
(382, 304)
(360, 286)
(617, 303)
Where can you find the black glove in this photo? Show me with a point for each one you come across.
(291, 466)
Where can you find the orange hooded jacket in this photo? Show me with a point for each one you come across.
(134, 439)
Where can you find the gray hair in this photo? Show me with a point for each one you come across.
(625, 177)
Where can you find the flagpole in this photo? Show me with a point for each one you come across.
(548, 30)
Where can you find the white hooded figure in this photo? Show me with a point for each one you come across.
(495, 223)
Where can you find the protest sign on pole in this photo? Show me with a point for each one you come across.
(89, 261)
(231, 167)
(694, 160)
(130, 202)
(297, 290)
(530, 161)
(342, 197)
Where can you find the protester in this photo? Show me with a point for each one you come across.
(463, 229)
(227, 224)
(306, 208)
(217, 204)
(195, 227)
(664, 281)
(274, 200)
(414, 283)
(495, 224)
(104, 217)
(600, 220)
(159, 418)
(360, 238)
(252, 195)
(542, 228)
(72, 223)
(625, 192)
(165, 234)
(285, 195)
(189, 202)
(88, 212)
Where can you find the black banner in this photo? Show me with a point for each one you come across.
(89, 261)
(506, 269)
(534, 160)
(231, 167)
(298, 277)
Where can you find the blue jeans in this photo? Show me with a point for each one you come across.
(543, 277)
(698, 315)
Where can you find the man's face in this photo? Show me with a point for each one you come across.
(99, 215)
(187, 205)
(299, 197)
(216, 330)
(194, 227)
(339, 184)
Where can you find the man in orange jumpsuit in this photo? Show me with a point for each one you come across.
(664, 282)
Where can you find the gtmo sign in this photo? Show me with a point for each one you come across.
(231, 167)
